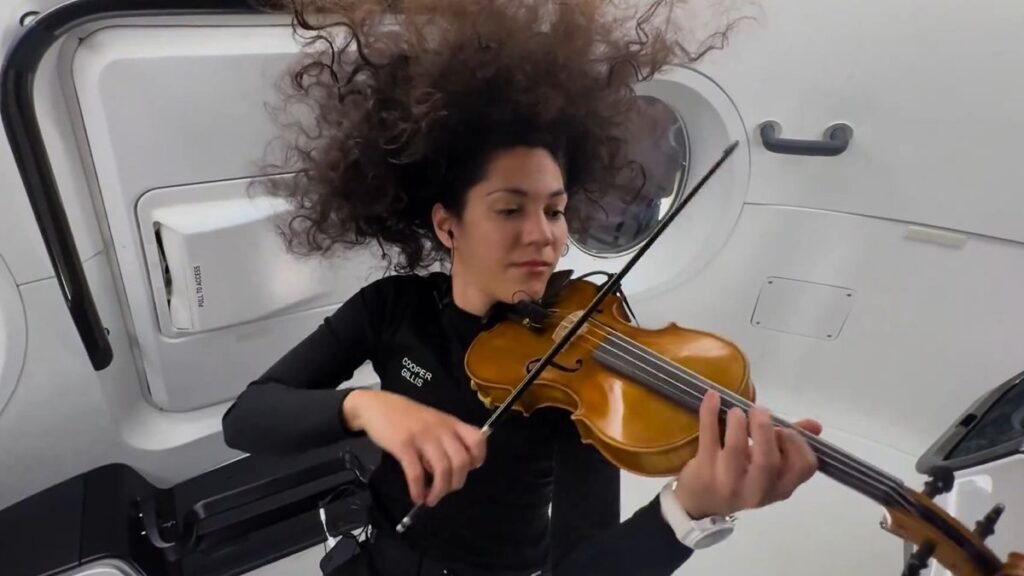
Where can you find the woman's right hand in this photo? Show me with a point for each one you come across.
(423, 440)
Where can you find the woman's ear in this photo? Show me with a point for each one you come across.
(443, 225)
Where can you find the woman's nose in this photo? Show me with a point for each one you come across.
(537, 230)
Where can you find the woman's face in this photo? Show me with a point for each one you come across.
(512, 230)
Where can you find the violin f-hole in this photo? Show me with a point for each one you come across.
(563, 368)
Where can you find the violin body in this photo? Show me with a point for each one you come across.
(638, 429)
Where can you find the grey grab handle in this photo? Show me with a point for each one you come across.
(834, 141)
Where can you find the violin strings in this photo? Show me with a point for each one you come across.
(856, 469)
(861, 473)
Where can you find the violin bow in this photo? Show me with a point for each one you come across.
(610, 286)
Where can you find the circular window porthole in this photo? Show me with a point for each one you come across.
(698, 121)
(658, 149)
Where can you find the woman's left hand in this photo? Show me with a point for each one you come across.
(743, 474)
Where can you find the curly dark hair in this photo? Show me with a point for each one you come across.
(405, 102)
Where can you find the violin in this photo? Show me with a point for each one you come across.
(635, 393)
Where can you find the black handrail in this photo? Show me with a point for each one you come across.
(21, 122)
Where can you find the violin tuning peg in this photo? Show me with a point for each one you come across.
(940, 483)
(987, 525)
(918, 561)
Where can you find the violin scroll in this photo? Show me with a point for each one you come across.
(941, 537)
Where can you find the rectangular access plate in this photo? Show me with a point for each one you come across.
(803, 308)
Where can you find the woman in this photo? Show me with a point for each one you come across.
(478, 133)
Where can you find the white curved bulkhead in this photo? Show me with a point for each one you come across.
(877, 291)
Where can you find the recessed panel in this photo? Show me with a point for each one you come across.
(800, 307)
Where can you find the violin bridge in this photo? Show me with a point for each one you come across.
(567, 323)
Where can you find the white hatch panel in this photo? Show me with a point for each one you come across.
(178, 121)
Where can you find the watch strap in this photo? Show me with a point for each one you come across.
(686, 529)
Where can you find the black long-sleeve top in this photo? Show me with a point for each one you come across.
(416, 339)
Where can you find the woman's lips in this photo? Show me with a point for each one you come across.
(532, 265)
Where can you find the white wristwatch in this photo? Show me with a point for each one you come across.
(696, 534)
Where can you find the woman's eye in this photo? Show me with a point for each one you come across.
(556, 213)
(508, 211)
